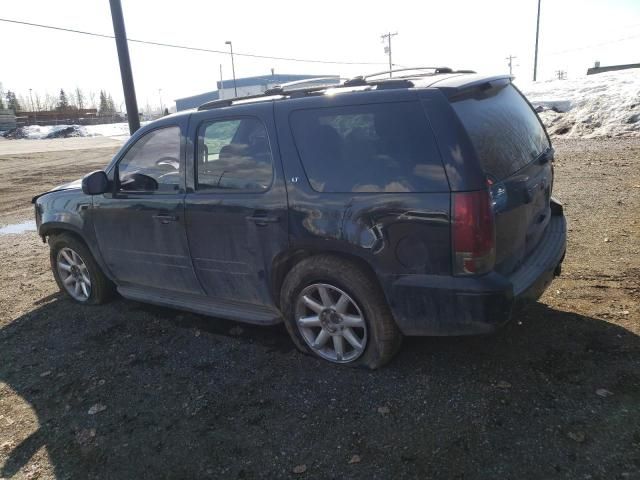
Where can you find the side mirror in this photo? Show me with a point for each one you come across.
(95, 183)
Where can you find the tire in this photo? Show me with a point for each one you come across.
(300, 298)
(65, 250)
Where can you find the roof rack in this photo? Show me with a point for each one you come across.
(284, 91)
(326, 81)
(227, 102)
(406, 69)
(432, 71)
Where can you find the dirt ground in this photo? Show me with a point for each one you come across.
(133, 391)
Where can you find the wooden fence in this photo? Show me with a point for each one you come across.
(7, 120)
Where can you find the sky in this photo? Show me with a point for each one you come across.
(459, 34)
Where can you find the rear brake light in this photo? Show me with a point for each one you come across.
(473, 233)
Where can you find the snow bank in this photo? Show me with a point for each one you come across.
(37, 132)
(602, 105)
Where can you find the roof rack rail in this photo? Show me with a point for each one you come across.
(406, 69)
(327, 81)
(227, 102)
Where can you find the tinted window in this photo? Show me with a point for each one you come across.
(234, 155)
(368, 148)
(155, 155)
(504, 130)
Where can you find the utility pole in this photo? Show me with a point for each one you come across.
(35, 115)
(221, 80)
(535, 60)
(233, 68)
(125, 66)
(387, 49)
(561, 74)
(510, 60)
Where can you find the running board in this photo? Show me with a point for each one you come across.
(240, 312)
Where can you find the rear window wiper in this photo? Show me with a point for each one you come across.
(546, 156)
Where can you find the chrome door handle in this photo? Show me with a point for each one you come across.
(164, 219)
(262, 220)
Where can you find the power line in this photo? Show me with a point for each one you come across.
(594, 45)
(186, 47)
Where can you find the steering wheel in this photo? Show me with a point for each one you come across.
(169, 163)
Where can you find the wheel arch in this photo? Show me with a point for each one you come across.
(286, 261)
(50, 229)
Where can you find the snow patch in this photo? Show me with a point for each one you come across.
(38, 132)
(602, 105)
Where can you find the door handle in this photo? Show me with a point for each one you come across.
(164, 219)
(262, 220)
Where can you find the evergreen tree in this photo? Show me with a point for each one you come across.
(63, 103)
(112, 107)
(104, 107)
(1, 104)
(12, 102)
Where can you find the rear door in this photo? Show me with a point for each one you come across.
(236, 206)
(515, 154)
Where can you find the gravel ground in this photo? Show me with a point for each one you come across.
(133, 391)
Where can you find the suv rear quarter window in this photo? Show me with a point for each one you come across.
(384, 147)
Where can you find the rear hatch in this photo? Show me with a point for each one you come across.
(515, 154)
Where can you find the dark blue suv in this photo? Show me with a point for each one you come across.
(355, 214)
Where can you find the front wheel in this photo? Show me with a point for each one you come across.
(76, 272)
(335, 310)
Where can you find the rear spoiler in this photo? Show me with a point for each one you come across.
(457, 88)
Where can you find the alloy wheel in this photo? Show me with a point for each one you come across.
(74, 274)
(331, 323)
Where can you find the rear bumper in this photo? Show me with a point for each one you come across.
(437, 306)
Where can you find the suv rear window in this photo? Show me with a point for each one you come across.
(503, 128)
(385, 147)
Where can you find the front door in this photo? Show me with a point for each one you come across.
(140, 225)
(236, 208)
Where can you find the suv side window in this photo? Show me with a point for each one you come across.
(385, 147)
(234, 155)
(152, 164)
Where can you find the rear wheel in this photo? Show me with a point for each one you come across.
(336, 311)
(76, 272)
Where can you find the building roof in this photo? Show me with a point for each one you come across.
(194, 101)
(201, 97)
(612, 68)
(276, 78)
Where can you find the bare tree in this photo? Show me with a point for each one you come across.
(71, 99)
(24, 103)
(38, 101)
(92, 99)
(49, 101)
(79, 98)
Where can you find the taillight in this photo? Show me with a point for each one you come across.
(473, 233)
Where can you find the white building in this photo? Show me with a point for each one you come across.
(249, 86)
